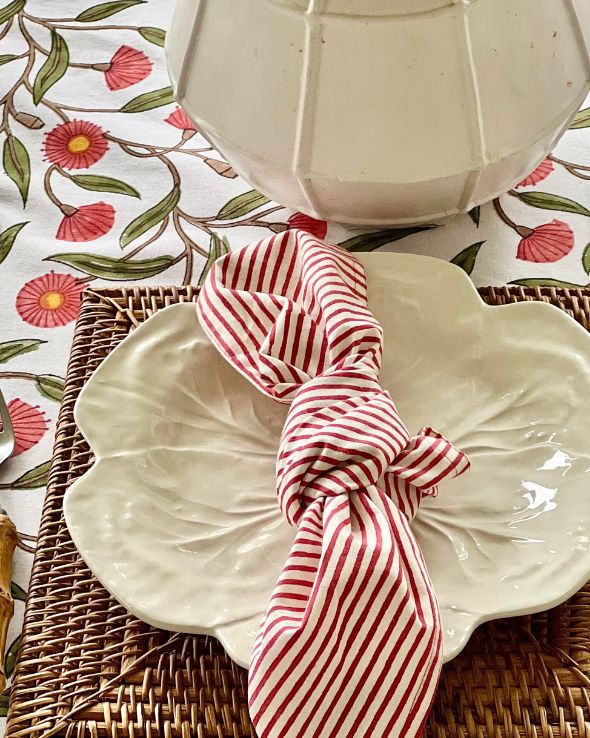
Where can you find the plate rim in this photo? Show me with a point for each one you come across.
(218, 631)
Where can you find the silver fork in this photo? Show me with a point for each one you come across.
(6, 434)
(8, 539)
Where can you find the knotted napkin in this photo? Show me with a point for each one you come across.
(351, 642)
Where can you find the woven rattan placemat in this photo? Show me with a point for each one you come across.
(87, 668)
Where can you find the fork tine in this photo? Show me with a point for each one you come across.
(5, 417)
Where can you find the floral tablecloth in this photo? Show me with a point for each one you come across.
(105, 179)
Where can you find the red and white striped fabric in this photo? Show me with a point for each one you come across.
(351, 641)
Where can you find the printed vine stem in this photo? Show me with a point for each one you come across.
(569, 163)
(55, 107)
(8, 109)
(31, 42)
(201, 224)
(74, 109)
(58, 23)
(20, 542)
(62, 172)
(193, 152)
(138, 249)
(126, 146)
(49, 190)
(176, 214)
(177, 260)
(514, 193)
(155, 151)
(188, 249)
(522, 230)
(574, 169)
(7, 100)
(27, 537)
(18, 56)
(45, 52)
(24, 547)
(6, 28)
(255, 220)
(151, 151)
(176, 149)
(29, 376)
(189, 244)
(503, 215)
(48, 104)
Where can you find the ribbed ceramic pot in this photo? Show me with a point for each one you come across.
(381, 112)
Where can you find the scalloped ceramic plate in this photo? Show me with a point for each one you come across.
(178, 517)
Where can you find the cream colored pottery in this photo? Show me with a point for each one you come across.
(381, 112)
(178, 517)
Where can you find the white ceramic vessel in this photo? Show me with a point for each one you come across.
(178, 518)
(381, 112)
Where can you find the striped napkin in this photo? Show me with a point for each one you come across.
(351, 642)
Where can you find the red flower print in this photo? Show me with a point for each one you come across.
(127, 67)
(85, 223)
(317, 228)
(179, 119)
(541, 172)
(75, 145)
(49, 301)
(28, 423)
(546, 243)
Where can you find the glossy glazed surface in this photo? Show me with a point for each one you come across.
(178, 517)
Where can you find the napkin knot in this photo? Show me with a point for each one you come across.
(343, 434)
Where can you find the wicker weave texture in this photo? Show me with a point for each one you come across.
(87, 668)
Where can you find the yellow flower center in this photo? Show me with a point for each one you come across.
(79, 144)
(52, 300)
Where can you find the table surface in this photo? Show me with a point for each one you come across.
(107, 181)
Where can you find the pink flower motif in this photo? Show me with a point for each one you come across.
(127, 67)
(76, 144)
(546, 243)
(317, 228)
(179, 119)
(49, 301)
(541, 172)
(28, 423)
(85, 223)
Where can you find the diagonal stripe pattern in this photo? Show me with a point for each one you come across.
(351, 642)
